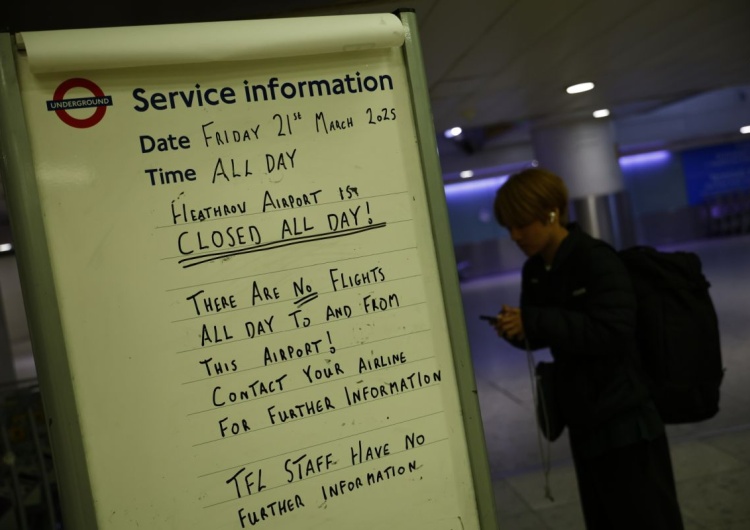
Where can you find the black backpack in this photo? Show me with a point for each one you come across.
(678, 333)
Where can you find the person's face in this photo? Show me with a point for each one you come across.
(532, 238)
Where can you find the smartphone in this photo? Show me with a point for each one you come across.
(489, 318)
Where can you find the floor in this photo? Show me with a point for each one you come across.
(711, 459)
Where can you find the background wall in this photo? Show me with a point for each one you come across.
(657, 184)
(14, 320)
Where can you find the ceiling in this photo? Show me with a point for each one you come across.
(494, 66)
(496, 62)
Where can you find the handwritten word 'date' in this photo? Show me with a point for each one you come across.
(167, 143)
(220, 397)
(364, 453)
(303, 466)
(346, 219)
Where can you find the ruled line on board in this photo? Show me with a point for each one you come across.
(200, 259)
(279, 210)
(323, 473)
(235, 341)
(292, 390)
(237, 278)
(428, 386)
(260, 367)
(285, 300)
(342, 438)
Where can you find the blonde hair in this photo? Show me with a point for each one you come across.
(529, 196)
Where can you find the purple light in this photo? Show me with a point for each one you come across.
(645, 159)
(482, 186)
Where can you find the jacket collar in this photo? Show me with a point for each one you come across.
(575, 235)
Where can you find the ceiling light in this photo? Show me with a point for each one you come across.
(580, 87)
(466, 174)
(475, 188)
(745, 129)
(452, 133)
(645, 159)
(601, 113)
(6, 247)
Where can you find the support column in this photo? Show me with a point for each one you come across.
(584, 153)
(7, 366)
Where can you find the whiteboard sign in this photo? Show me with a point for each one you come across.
(249, 295)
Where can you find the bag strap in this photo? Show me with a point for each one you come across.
(545, 446)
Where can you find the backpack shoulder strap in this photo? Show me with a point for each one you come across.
(677, 270)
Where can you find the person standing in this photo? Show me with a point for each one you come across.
(578, 301)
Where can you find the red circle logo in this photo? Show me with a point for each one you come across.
(96, 101)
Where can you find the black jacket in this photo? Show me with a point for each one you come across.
(583, 309)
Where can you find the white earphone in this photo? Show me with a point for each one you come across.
(552, 217)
